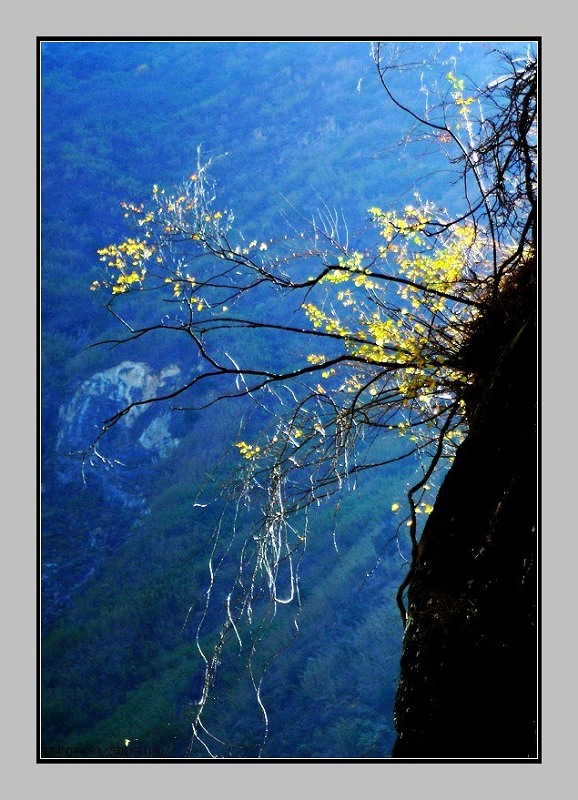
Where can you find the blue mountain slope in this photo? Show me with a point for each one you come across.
(124, 544)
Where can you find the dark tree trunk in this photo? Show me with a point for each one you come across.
(468, 685)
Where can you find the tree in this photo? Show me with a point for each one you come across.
(386, 332)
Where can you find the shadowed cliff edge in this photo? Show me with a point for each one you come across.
(468, 685)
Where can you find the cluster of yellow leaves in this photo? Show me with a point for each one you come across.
(408, 225)
(443, 267)
(127, 258)
(183, 213)
(456, 83)
(319, 318)
(350, 269)
(248, 451)
(125, 280)
(410, 338)
(131, 249)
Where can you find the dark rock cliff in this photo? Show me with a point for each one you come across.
(468, 685)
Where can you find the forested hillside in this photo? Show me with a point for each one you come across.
(157, 638)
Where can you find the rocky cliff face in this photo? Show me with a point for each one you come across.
(468, 686)
(104, 394)
(91, 511)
